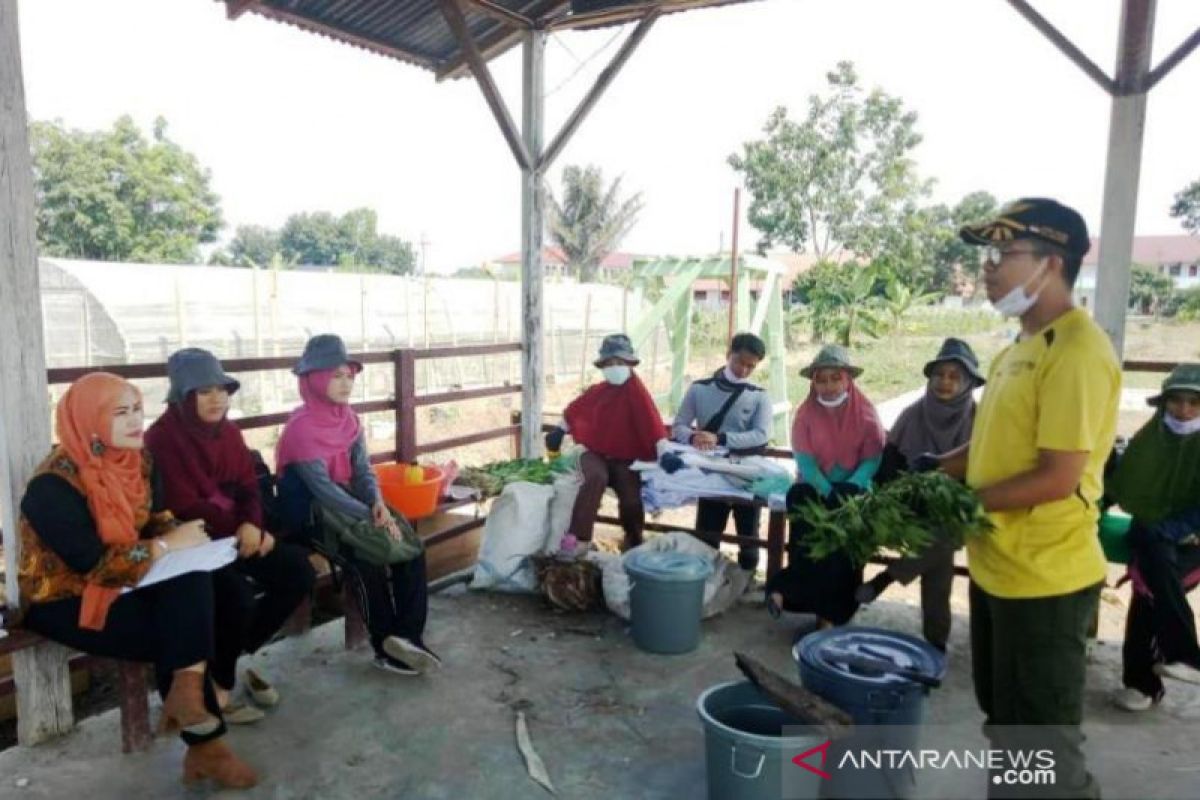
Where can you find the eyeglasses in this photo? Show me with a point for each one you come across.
(996, 255)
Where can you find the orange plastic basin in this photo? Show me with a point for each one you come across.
(415, 500)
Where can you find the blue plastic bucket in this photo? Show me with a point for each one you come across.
(666, 600)
(887, 709)
(745, 749)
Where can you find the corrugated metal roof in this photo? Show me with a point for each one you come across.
(414, 31)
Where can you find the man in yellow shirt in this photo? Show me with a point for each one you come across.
(1042, 432)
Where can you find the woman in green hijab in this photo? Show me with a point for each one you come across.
(1158, 483)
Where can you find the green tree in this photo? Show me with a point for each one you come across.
(843, 178)
(1186, 208)
(117, 196)
(950, 256)
(1150, 292)
(840, 301)
(590, 220)
(251, 245)
(350, 242)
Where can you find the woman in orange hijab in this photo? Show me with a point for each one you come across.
(90, 527)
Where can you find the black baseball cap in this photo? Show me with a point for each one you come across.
(1036, 219)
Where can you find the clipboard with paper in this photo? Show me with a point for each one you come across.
(207, 557)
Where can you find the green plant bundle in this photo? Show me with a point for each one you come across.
(490, 479)
(902, 516)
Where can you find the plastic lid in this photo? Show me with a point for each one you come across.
(821, 652)
(669, 566)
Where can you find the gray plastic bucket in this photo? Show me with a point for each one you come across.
(666, 600)
(887, 709)
(745, 749)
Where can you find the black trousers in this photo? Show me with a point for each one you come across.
(169, 624)
(713, 514)
(394, 599)
(825, 587)
(1159, 628)
(245, 621)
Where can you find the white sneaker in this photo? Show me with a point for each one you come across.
(1179, 671)
(411, 654)
(1129, 699)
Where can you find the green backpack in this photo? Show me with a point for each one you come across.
(369, 542)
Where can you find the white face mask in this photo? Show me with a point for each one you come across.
(729, 376)
(1180, 427)
(1017, 302)
(835, 402)
(616, 375)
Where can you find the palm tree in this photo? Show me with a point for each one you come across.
(590, 221)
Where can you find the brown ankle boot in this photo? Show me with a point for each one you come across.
(183, 706)
(215, 760)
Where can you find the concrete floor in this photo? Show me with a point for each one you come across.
(608, 720)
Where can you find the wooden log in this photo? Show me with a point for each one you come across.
(796, 700)
(41, 675)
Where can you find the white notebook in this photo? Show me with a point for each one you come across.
(202, 558)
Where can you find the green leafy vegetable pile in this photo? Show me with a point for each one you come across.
(902, 516)
(490, 479)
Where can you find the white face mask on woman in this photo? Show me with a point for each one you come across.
(617, 374)
(835, 402)
(1181, 427)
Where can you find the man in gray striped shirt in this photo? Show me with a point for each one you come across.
(726, 410)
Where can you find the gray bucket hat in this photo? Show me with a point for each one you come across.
(192, 368)
(324, 351)
(617, 345)
(832, 356)
(959, 352)
(1185, 377)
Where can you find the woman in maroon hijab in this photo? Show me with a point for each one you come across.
(207, 473)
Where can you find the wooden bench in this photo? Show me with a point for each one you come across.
(132, 676)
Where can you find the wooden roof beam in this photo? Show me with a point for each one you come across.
(1065, 45)
(483, 76)
(1171, 61)
(629, 13)
(493, 44)
(603, 81)
(502, 14)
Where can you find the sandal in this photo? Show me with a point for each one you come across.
(241, 714)
(260, 691)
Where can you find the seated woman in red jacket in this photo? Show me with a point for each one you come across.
(92, 524)
(618, 423)
(208, 473)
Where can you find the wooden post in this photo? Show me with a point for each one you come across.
(533, 86)
(776, 536)
(1127, 124)
(40, 673)
(583, 343)
(405, 376)
(135, 707)
(733, 266)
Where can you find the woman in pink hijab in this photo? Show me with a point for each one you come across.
(322, 460)
(837, 442)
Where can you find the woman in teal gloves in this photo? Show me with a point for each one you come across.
(838, 443)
